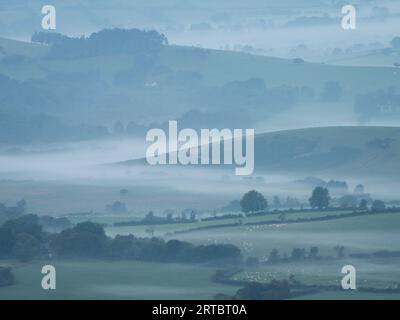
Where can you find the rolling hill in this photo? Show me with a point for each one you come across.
(336, 151)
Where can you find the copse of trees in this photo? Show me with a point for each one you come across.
(24, 239)
(376, 103)
(320, 198)
(332, 92)
(253, 201)
(21, 238)
(378, 205)
(104, 42)
(7, 213)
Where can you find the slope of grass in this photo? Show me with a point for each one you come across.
(217, 67)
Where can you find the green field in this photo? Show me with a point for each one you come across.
(116, 280)
(94, 279)
(378, 273)
(217, 67)
(167, 229)
(356, 234)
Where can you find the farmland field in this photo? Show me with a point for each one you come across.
(115, 280)
(356, 234)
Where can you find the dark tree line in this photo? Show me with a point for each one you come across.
(23, 238)
(104, 42)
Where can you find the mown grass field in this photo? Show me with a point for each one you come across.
(115, 280)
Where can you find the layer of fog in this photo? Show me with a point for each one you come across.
(78, 177)
(263, 26)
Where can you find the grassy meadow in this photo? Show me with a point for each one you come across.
(115, 280)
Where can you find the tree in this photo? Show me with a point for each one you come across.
(320, 198)
(253, 201)
(395, 43)
(117, 207)
(193, 215)
(313, 252)
(149, 216)
(274, 256)
(348, 201)
(339, 251)
(118, 129)
(378, 205)
(359, 189)
(276, 202)
(363, 205)
(332, 92)
(86, 239)
(26, 247)
(298, 253)
(6, 276)
(7, 242)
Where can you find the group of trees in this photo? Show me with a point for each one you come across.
(296, 254)
(7, 213)
(302, 253)
(254, 201)
(382, 102)
(104, 42)
(23, 238)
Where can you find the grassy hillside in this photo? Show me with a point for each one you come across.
(351, 150)
(217, 67)
(342, 151)
(376, 58)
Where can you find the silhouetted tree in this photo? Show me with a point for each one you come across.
(253, 201)
(339, 251)
(274, 256)
(313, 252)
(363, 205)
(378, 205)
(332, 91)
(320, 198)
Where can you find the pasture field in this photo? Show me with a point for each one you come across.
(115, 280)
(363, 234)
(169, 229)
(376, 273)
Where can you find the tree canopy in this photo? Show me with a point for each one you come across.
(253, 201)
(320, 198)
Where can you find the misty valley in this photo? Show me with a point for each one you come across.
(209, 150)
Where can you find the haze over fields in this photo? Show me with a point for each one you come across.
(77, 102)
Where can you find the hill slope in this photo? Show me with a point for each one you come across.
(338, 151)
